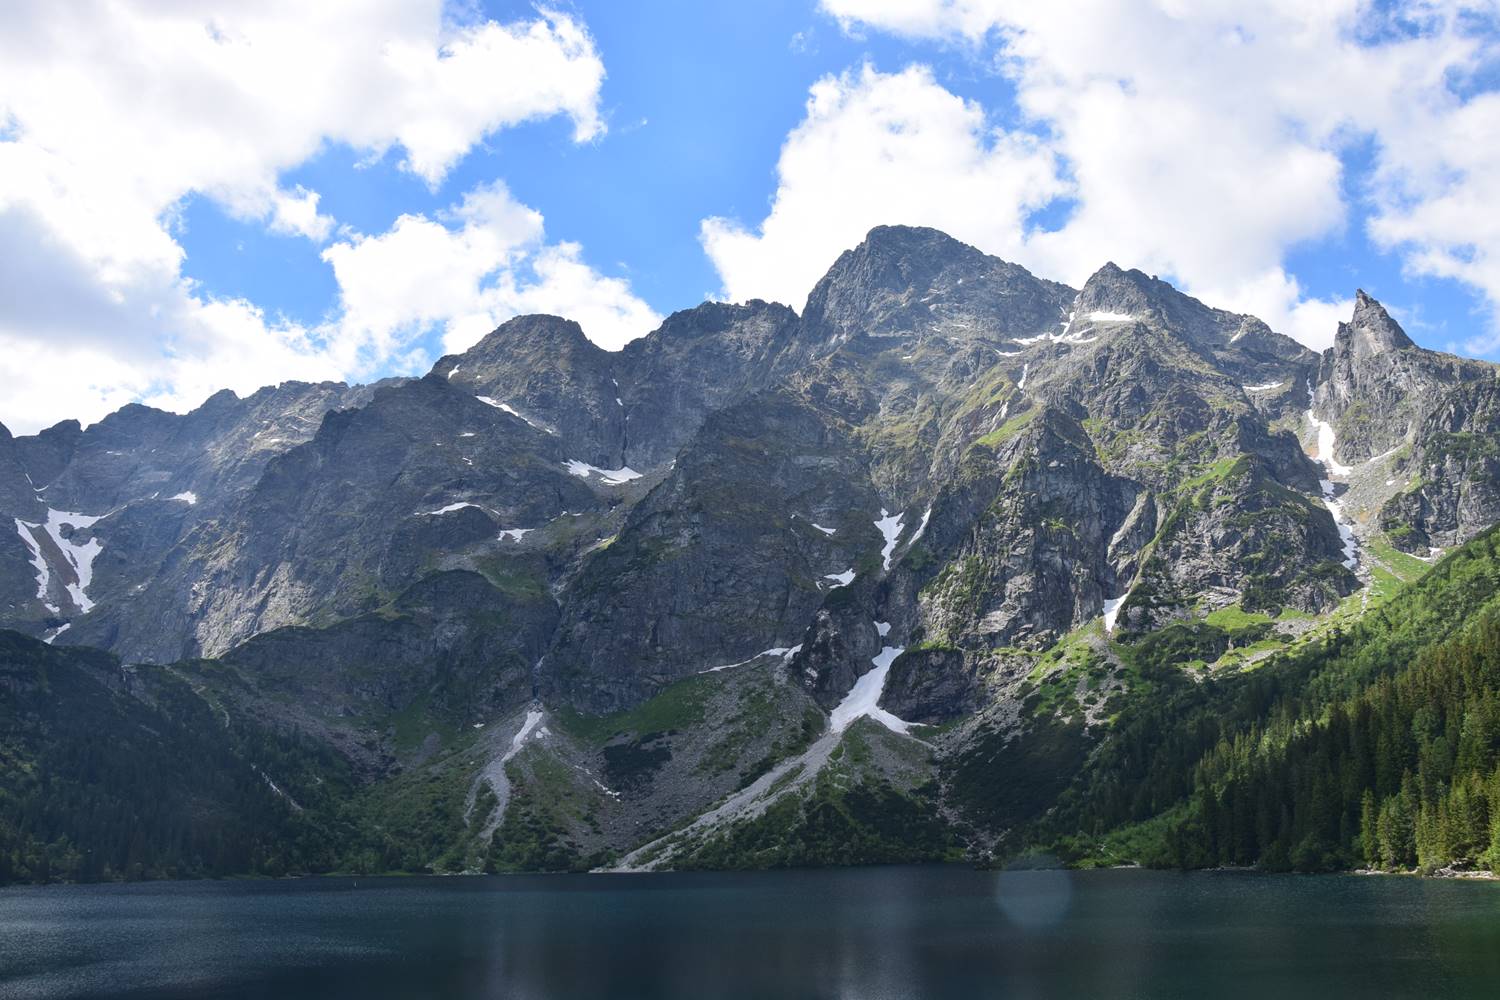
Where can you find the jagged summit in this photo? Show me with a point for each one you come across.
(533, 331)
(1370, 330)
(905, 279)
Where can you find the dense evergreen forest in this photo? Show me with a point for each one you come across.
(1378, 746)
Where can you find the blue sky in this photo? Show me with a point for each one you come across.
(699, 98)
(347, 194)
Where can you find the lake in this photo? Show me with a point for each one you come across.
(859, 933)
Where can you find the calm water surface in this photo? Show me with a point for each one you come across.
(864, 933)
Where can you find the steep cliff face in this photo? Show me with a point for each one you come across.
(1417, 425)
(544, 371)
(766, 509)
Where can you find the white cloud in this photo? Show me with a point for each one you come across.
(1201, 140)
(482, 262)
(297, 215)
(876, 148)
(114, 113)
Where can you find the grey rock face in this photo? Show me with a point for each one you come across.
(903, 281)
(1453, 492)
(437, 470)
(1377, 387)
(932, 686)
(453, 643)
(547, 372)
(1042, 512)
(701, 360)
(720, 561)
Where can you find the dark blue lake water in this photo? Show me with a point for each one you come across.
(862, 933)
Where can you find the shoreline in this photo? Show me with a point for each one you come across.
(1441, 874)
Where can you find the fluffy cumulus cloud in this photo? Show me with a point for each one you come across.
(877, 147)
(111, 114)
(482, 261)
(1199, 140)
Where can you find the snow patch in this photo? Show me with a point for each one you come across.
(466, 434)
(448, 509)
(488, 401)
(1326, 440)
(890, 526)
(864, 698)
(454, 371)
(188, 497)
(1111, 317)
(883, 628)
(611, 477)
(840, 579)
(38, 562)
(532, 718)
(1112, 611)
(826, 531)
(1025, 371)
(79, 555)
(1057, 338)
(1346, 530)
(921, 528)
(785, 652)
(515, 533)
(1263, 388)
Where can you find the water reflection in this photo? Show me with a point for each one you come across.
(867, 934)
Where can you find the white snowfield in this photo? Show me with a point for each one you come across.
(890, 526)
(840, 579)
(1326, 441)
(785, 652)
(38, 562)
(1324, 455)
(494, 775)
(515, 534)
(1057, 338)
(1111, 317)
(611, 477)
(189, 497)
(1263, 388)
(489, 401)
(787, 777)
(864, 698)
(1025, 371)
(921, 528)
(1112, 611)
(449, 509)
(826, 531)
(1346, 529)
(79, 555)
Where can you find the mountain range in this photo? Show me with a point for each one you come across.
(957, 562)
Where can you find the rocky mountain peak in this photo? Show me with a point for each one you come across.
(906, 279)
(533, 332)
(1370, 331)
(714, 318)
(1115, 292)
